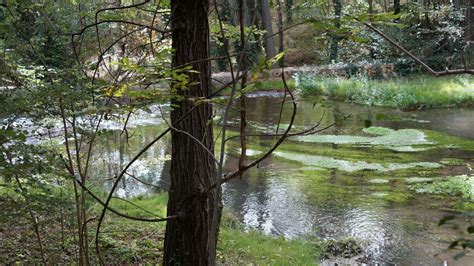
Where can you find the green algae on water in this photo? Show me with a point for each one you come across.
(378, 131)
(452, 161)
(399, 140)
(461, 186)
(379, 181)
(413, 180)
(349, 166)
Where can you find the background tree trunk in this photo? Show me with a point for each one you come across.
(267, 26)
(469, 20)
(188, 240)
(280, 31)
(396, 7)
(289, 11)
(334, 46)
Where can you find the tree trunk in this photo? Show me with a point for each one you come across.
(267, 26)
(396, 7)
(335, 38)
(280, 31)
(469, 20)
(289, 11)
(188, 239)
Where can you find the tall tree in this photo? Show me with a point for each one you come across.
(188, 239)
(280, 30)
(289, 11)
(396, 7)
(267, 26)
(470, 21)
(335, 38)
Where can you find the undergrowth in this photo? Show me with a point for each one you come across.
(129, 242)
(406, 93)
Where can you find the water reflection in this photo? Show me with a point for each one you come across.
(278, 199)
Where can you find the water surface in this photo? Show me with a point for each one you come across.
(291, 197)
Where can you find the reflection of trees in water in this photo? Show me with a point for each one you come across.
(249, 197)
(114, 151)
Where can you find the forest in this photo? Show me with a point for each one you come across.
(237, 132)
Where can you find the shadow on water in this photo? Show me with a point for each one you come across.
(285, 197)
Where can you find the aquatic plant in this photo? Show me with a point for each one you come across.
(461, 186)
(398, 140)
(349, 166)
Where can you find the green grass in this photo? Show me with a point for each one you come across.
(241, 248)
(408, 93)
(130, 242)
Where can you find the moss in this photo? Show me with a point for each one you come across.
(399, 197)
(379, 181)
(378, 131)
(447, 141)
(349, 152)
(407, 148)
(350, 166)
(390, 138)
(452, 161)
(413, 180)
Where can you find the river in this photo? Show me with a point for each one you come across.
(331, 185)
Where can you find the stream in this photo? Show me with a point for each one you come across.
(343, 182)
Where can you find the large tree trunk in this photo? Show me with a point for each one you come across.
(188, 240)
(267, 26)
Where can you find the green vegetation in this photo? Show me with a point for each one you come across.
(83, 83)
(406, 93)
(460, 186)
(125, 242)
(236, 248)
(446, 141)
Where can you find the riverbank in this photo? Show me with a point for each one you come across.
(130, 242)
(409, 93)
(417, 92)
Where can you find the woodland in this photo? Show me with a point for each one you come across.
(237, 132)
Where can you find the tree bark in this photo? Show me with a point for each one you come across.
(469, 21)
(289, 11)
(267, 26)
(280, 31)
(335, 38)
(188, 239)
(396, 7)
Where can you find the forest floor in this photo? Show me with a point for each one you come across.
(129, 242)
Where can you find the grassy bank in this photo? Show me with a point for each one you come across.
(407, 93)
(128, 242)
